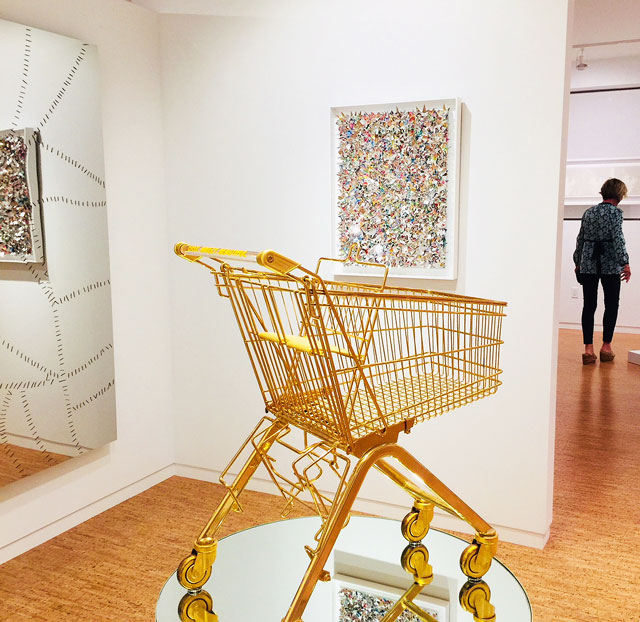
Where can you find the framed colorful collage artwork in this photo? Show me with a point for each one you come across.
(395, 186)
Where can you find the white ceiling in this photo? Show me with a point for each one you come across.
(212, 7)
(599, 52)
(595, 21)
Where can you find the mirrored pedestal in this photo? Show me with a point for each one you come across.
(257, 573)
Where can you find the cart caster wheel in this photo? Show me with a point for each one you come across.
(475, 560)
(474, 598)
(188, 576)
(195, 569)
(197, 608)
(415, 560)
(415, 524)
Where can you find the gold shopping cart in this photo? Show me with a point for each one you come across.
(349, 366)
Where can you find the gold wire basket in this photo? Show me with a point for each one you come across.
(353, 365)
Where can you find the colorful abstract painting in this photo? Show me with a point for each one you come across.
(395, 178)
(361, 606)
(19, 206)
(360, 600)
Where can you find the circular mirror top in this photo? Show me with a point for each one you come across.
(257, 572)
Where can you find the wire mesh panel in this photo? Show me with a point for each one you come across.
(345, 361)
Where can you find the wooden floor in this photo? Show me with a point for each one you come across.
(112, 567)
(18, 462)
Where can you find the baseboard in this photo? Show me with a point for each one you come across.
(441, 520)
(388, 510)
(632, 330)
(55, 528)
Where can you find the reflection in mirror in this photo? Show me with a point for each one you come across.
(364, 580)
(56, 343)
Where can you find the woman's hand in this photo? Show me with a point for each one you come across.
(626, 273)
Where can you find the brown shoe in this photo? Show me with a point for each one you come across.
(589, 359)
(606, 357)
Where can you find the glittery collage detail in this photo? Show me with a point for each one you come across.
(392, 186)
(359, 606)
(15, 204)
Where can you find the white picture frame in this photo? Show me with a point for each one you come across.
(449, 255)
(32, 186)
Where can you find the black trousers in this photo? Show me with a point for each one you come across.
(611, 288)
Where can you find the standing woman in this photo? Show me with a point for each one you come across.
(601, 255)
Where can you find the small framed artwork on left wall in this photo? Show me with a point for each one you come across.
(21, 235)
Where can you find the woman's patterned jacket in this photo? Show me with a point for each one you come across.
(600, 247)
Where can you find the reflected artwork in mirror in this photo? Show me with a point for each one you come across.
(57, 396)
(20, 230)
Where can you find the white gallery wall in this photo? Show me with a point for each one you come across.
(236, 144)
(248, 161)
(127, 38)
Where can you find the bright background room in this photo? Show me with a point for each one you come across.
(603, 141)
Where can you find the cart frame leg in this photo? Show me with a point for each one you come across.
(476, 558)
(195, 569)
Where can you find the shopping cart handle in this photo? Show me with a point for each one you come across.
(276, 262)
(193, 253)
(181, 249)
(267, 259)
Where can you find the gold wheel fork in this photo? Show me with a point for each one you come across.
(197, 608)
(474, 598)
(195, 569)
(476, 559)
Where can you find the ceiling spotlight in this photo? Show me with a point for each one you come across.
(580, 64)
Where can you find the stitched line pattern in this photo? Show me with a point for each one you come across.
(26, 358)
(24, 81)
(74, 202)
(40, 274)
(81, 290)
(51, 376)
(95, 396)
(3, 434)
(63, 88)
(32, 427)
(75, 163)
(29, 384)
(90, 362)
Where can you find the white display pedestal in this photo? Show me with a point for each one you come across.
(257, 572)
(634, 356)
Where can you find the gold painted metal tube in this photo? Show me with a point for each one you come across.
(241, 480)
(335, 522)
(417, 611)
(222, 254)
(415, 491)
(443, 497)
(343, 506)
(396, 611)
(467, 514)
